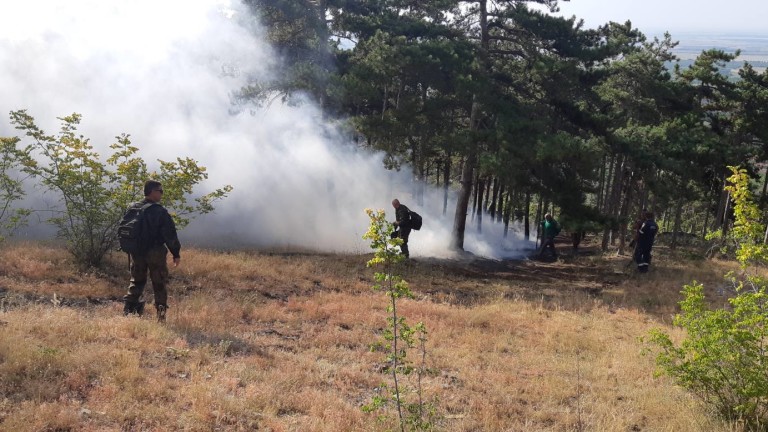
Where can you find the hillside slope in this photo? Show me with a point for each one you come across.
(282, 341)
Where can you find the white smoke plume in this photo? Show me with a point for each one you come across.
(164, 72)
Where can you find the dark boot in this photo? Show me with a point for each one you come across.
(161, 309)
(133, 307)
(129, 307)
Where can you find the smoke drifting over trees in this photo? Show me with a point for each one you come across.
(167, 73)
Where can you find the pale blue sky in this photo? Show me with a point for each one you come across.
(676, 16)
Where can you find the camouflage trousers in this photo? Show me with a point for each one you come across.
(155, 262)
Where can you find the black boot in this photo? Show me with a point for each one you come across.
(161, 309)
(133, 307)
(129, 308)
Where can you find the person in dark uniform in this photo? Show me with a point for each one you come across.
(645, 236)
(402, 224)
(161, 238)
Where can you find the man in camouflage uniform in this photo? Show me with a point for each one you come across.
(161, 236)
(402, 224)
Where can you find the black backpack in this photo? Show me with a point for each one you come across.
(415, 221)
(133, 231)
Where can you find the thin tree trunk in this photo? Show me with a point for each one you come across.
(507, 213)
(527, 215)
(446, 182)
(612, 201)
(765, 188)
(726, 218)
(478, 187)
(479, 210)
(624, 215)
(494, 198)
(678, 219)
(608, 184)
(601, 184)
(539, 207)
(486, 201)
(721, 206)
(499, 212)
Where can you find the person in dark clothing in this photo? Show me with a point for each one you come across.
(549, 230)
(645, 236)
(161, 236)
(402, 225)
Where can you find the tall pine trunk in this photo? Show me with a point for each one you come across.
(624, 215)
(467, 174)
(499, 210)
(507, 212)
(475, 193)
(446, 182)
(539, 209)
(722, 203)
(462, 203)
(678, 219)
(612, 202)
(527, 215)
(494, 198)
(479, 210)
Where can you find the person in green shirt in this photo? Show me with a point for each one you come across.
(549, 230)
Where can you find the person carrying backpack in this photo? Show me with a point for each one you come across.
(402, 225)
(147, 233)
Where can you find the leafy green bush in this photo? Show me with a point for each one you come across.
(93, 194)
(723, 358)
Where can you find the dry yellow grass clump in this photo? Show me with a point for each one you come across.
(280, 342)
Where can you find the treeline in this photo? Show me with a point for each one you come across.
(524, 112)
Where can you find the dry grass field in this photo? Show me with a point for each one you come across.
(281, 342)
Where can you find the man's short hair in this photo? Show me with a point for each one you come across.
(151, 185)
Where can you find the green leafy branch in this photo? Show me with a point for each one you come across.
(399, 336)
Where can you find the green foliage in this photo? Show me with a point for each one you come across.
(11, 187)
(723, 358)
(747, 229)
(93, 195)
(399, 336)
